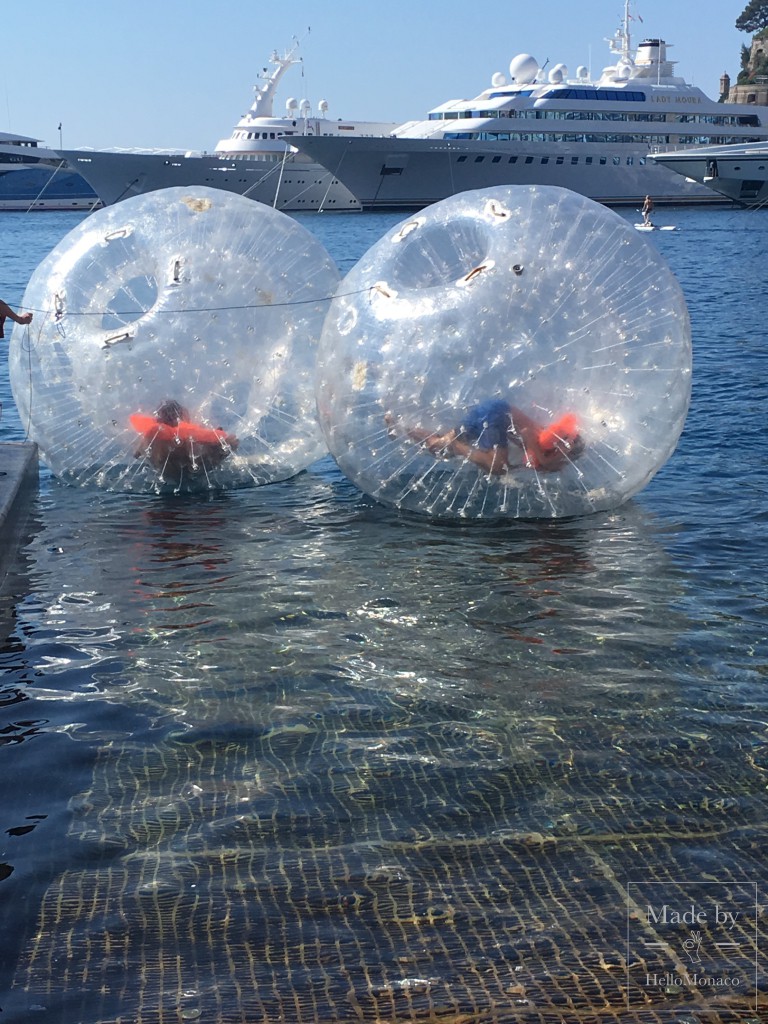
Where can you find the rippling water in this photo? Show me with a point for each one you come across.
(284, 754)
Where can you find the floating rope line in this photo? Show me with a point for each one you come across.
(59, 311)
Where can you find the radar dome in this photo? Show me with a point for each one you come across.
(291, 103)
(518, 351)
(582, 73)
(498, 79)
(523, 68)
(322, 106)
(174, 345)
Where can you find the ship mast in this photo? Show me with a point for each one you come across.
(265, 94)
(621, 44)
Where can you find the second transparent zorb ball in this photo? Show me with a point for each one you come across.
(509, 352)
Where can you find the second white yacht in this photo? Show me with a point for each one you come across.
(594, 136)
(257, 160)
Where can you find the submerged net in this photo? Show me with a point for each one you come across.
(378, 863)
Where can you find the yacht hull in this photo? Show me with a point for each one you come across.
(390, 173)
(40, 184)
(23, 201)
(291, 185)
(736, 173)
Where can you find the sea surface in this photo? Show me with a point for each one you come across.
(286, 755)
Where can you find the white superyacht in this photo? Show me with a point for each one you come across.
(592, 136)
(258, 160)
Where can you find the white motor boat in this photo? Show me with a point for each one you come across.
(257, 160)
(530, 127)
(737, 172)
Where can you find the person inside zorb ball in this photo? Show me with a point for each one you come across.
(516, 351)
(173, 345)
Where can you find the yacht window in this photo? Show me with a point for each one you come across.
(559, 160)
(587, 159)
(511, 92)
(479, 159)
(574, 159)
(545, 159)
(496, 159)
(609, 95)
(617, 160)
(271, 135)
(750, 189)
(512, 160)
(630, 161)
(602, 159)
(461, 160)
(529, 159)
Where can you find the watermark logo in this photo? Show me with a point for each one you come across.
(690, 939)
(692, 946)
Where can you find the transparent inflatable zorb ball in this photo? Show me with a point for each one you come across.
(173, 345)
(517, 351)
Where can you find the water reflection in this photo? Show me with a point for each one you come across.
(180, 602)
(311, 732)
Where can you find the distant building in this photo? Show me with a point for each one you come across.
(753, 84)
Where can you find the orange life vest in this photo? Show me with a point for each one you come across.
(183, 431)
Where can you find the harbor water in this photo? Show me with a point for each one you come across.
(283, 754)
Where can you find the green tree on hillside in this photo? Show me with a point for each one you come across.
(754, 17)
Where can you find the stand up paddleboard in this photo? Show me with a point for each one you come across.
(654, 227)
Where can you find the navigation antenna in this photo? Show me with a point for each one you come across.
(264, 93)
(620, 44)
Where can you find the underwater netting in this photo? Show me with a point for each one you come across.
(374, 862)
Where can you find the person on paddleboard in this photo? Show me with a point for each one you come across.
(647, 210)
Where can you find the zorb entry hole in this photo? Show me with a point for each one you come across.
(432, 256)
(131, 302)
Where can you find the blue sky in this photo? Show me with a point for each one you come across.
(177, 75)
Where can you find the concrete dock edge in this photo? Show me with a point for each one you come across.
(19, 481)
